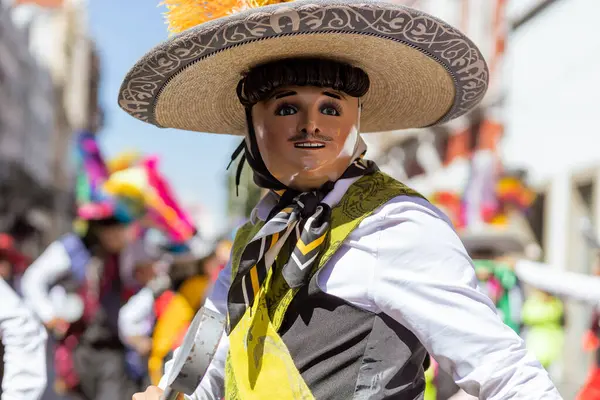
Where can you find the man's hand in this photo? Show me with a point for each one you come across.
(141, 344)
(152, 393)
(58, 327)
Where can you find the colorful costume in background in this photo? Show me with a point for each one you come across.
(70, 282)
(591, 387)
(10, 253)
(163, 314)
(94, 202)
(172, 309)
(143, 181)
(574, 286)
(543, 316)
(502, 287)
(17, 262)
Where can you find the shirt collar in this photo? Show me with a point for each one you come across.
(269, 201)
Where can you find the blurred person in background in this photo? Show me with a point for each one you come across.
(591, 343)
(177, 307)
(22, 337)
(499, 282)
(12, 261)
(212, 267)
(576, 286)
(136, 318)
(77, 286)
(89, 358)
(489, 220)
(23, 368)
(159, 315)
(165, 259)
(543, 318)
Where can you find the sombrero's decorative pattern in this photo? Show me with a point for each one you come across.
(438, 41)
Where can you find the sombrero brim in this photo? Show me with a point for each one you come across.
(422, 70)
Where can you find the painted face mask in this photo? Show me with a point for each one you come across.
(307, 136)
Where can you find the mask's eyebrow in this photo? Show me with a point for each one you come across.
(280, 95)
(333, 95)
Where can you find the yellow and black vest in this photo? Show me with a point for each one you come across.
(307, 344)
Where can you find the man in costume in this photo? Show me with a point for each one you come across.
(344, 279)
(77, 286)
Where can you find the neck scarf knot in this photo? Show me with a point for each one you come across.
(301, 219)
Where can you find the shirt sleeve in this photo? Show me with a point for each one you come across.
(135, 317)
(53, 264)
(24, 341)
(424, 279)
(212, 386)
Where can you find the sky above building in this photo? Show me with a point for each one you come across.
(194, 162)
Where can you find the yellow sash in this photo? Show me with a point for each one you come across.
(259, 365)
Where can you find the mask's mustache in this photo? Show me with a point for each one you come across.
(305, 136)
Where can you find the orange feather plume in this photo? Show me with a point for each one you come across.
(185, 14)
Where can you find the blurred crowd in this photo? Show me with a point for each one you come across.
(97, 313)
(115, 295)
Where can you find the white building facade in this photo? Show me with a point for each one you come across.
(544, 93)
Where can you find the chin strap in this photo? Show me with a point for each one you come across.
(240, 168)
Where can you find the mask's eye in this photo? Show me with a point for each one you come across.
(330, 110)
(285, 110)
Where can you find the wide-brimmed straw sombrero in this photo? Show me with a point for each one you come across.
(422, 71)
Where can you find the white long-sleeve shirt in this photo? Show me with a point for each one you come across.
(136, 316)
(405, 260)
(51, 266)
(24, 340)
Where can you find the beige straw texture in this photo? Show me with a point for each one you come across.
(408, 89)
(422, 70)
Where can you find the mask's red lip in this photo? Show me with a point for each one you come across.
(309, 145)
